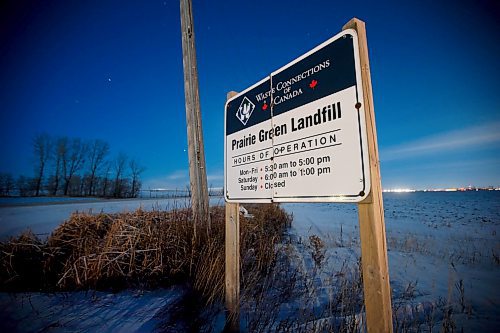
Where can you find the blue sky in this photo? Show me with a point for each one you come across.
(112, 70)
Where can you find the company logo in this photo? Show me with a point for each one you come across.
(245, 110)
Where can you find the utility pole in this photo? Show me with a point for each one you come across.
(197, 170)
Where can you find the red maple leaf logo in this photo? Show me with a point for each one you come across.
(264, 107)
(313, 84)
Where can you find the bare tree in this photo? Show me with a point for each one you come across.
(135, 170)
(42, 145)
(60, 155)
(25, 186)
(119, 167)
(76, 168)
(73, 161)
(97, 153)
(104, 181)
(6, 184)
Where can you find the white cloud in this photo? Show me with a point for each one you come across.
(180, 179)
(216, 177)
(176, 179)
(444, 174)
(178, 175)
(448, 166)
(448, 141)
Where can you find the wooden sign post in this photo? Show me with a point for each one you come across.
(232, 276)
(377, 290)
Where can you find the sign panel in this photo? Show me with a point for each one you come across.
(300, 134)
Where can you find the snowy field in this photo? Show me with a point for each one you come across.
(42, 219)
(443, 249)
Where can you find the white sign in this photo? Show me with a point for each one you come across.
(300, 134)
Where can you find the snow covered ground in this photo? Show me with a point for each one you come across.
(441, 246)
(443, 249)
(128, 311)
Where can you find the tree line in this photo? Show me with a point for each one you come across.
(74, 167)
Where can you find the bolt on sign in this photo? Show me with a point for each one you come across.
(300, 134)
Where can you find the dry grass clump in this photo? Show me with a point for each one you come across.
(21, 261)
(137, 249)
(118, 250)
(260, 235)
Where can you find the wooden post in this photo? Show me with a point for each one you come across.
(232, 276)
(233, 266)
(197, 171)
(377, 289)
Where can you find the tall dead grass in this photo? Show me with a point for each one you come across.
(143, 249)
